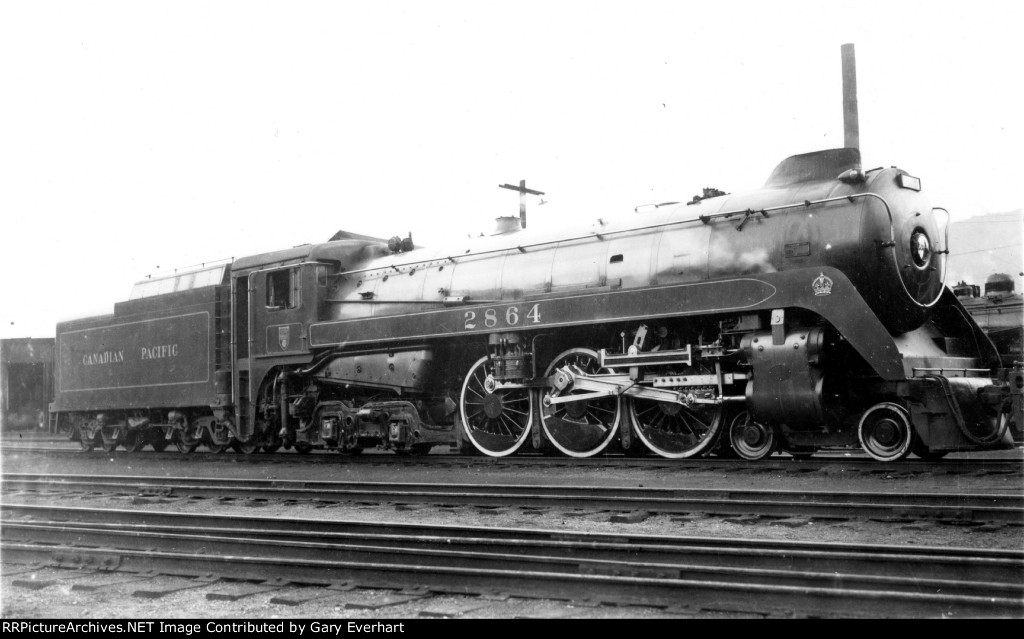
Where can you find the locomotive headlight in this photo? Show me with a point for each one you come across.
(920, 248)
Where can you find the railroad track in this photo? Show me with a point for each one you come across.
(852, 460)
(759, 576)
(1006, 508)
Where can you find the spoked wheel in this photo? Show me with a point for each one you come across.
(303, 448)
(110, 439)
(134, 442)
(497, 423)
(583, 428)
(185, 441)
(885, 432)
(751, 440)
(674, 430)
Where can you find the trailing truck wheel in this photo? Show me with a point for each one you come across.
(885, 432)
(497, 423)
(749, 439)
(582, 428)
(673, 430)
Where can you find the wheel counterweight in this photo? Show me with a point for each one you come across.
(673, 430)
(583, 428)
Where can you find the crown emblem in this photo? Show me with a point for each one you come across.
(822, 285)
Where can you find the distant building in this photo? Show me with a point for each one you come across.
(999, 312)
(26, 383)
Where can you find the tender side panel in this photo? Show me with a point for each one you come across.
(145, 360)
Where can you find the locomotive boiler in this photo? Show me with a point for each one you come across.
(811, 312)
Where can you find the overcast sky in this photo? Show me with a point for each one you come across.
(138, 137)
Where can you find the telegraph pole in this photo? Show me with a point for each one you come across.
(522, 198)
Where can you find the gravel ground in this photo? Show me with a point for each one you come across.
(60, 598)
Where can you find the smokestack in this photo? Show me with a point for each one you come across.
(851, 123)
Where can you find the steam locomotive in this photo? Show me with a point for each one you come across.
(809, 313)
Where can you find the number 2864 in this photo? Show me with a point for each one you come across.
(490, 318)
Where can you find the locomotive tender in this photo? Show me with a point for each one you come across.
(811, 312)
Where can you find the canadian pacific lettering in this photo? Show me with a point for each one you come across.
(160, 352)
(103, 357)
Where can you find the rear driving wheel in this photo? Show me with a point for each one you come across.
(496, 421)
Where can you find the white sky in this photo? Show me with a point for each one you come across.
(141, 136)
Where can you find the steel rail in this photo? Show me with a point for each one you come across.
(788, 503)
(660, 569)
(853, 458)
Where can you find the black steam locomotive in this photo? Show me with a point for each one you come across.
(809, 313)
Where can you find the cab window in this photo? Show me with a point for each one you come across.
(283, 289)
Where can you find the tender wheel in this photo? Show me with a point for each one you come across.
(496, 423)
(584, 428)
(158, 440)
(674, 430)
(110, 439)
(303, 448)
(134, 442)
(749, 439)
(220, 438)
(271, 448)
(885, 432)
(86, 443)
(185, 441)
